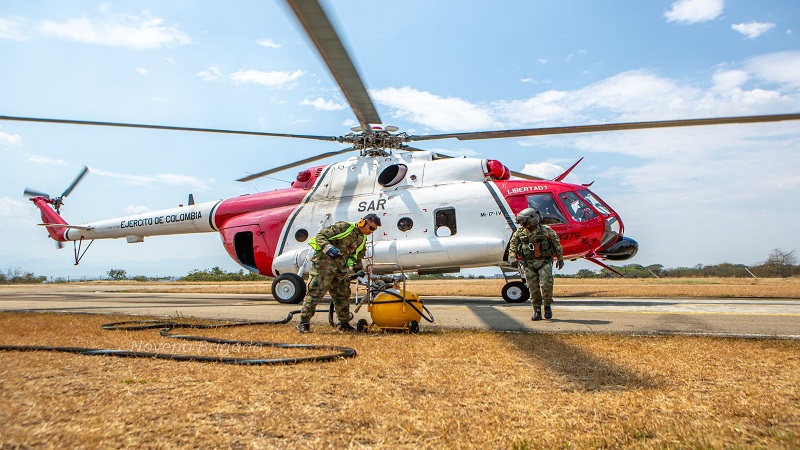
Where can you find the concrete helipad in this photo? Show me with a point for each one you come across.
(765, 318)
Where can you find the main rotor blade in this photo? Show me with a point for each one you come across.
(165, 127)
(295, 164)
(330, 47)
(606, 127)
(75, 183)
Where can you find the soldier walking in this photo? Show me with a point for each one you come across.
(533, 245)
(339, 249)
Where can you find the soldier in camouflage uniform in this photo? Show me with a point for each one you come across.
(339, 249)
(533, 245)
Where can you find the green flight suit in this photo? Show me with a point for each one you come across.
(537, 268)
(331, 274)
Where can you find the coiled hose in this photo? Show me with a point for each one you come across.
(166, 327)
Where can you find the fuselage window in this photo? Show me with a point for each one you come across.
(546, 205)
(405, 224)
(445, 222)
(576, 207)
(301, 235)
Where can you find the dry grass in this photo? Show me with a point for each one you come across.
(564, 287)
(449, 389)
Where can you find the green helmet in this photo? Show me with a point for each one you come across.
(528, 216)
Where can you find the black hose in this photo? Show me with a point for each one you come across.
(166, 327)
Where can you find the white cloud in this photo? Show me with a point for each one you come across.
(728, 80)
(545, 170)
(694, 11)
(433, 111)
(162, 178)
(46, 160)
(142, 71)
(11, 30)
(211, 74)
(139, 209)
(16, 211)
(13, 139)
(274, 78)
(268, 43)
(781, 67)
(135, 32)
(753, 30)
(324, 105)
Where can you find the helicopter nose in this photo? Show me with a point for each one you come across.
(623, 249)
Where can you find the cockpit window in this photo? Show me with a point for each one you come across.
(576, 207)
(547, 208)
(594, 201)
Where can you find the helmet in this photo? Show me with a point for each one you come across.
(528, 216)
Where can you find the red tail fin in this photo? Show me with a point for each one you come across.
(50, 217)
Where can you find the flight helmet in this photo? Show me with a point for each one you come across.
(528, 216)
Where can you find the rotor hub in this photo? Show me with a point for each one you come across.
(375, 142)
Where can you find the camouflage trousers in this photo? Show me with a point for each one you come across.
(539, 277)
(325, 278)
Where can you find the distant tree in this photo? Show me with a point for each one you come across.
(217, 274)
(585, 273)
(17, 276)
(780, 263)
(117, 274)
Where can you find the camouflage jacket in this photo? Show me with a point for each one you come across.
(524, 243)
(352, 244)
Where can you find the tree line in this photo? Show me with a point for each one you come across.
(779, 264)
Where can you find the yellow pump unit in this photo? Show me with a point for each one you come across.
(395, 309)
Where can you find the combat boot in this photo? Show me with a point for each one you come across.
(303, 327)
(548, 313)
(345, 327)
(537, 315)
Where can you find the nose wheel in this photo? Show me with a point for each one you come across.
(289, 288)
(516, 292)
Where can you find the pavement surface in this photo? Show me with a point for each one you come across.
(750, 318)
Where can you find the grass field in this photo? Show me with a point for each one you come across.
(438, 389)
(445, 389)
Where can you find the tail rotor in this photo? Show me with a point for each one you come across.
(58, 202)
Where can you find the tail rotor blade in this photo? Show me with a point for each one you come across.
(31, 193)
(77, 180)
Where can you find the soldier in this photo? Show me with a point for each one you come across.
(339, 249)
(533, 245)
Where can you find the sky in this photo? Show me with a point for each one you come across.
(689, 196)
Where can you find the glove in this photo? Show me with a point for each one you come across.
(560, 264)
(333, 252)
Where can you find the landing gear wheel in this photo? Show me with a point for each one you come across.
(362, 325)
(516, 292)
(413, 327)
(289, 288)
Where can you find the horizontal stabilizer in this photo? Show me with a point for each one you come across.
(62, 225)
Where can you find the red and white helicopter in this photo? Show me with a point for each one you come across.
(439, 214)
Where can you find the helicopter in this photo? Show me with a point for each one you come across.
(441, 214)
